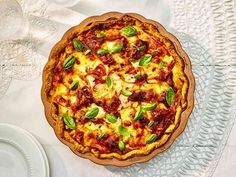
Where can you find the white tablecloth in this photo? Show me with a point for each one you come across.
(22, 106)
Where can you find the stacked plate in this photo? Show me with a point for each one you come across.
(21, 155)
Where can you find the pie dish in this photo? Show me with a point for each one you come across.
(118, 89)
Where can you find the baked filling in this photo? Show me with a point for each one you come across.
(118, 89)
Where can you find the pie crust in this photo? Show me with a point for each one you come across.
(47, 79)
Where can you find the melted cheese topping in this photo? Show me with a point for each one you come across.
(143, 85)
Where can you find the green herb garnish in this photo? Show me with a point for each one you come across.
(69, 121)
(151, 139)
(170, 96)
(108, 82)
(69, 62)
(93, 112)
(78, 45)
(111, 118)
(145, 60)
(123, 131)
(100, 35)
(87, 52)
(129, 31)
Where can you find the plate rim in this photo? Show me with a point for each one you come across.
(34, 142)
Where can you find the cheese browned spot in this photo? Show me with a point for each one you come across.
(127, 94)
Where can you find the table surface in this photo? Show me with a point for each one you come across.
(22, 96)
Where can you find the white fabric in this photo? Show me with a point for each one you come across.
(22, 105)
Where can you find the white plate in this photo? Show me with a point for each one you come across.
(21, 155)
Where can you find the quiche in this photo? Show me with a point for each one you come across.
(118, 89)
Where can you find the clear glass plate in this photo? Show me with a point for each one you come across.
(206, 30)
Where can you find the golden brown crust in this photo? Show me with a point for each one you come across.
(47, 79)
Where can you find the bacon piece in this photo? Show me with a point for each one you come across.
(131, 70)
(133, 52)
(91, 57)
(91, 135)
(85, 97)
(87, 92)
(138, 96)
(97, 121)
(159, 128)
(61, 101)
(127, 123)
(166, 51)
(99, 81)
(97, 73)
(142, 79)
(156, 56)
(162, 120)
(162, 98)
(144, 121)
(58, 68)
(112, 105)
(107, 59)
(162, 114)
(99, 102)
(137, 54)
(78, 136)
(93, 42)
(114, 37)
(171, 65)
(151, 96)
(126, 52)
(117, 114)
(154, 43)
(170, 79)
(58, 77)
(58, 73)
(162, 75)
(111, 142)
(100, 27)
(70, 80)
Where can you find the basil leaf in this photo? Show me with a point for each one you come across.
(139, 114)
(116, 48)
(69, 121)
(108, 82)
(126, 93)
(87, 52)
(150, 106)
(137, 76)
(161, 64)
(69, 62)
(100, 136)
(121, 145)
(129, 31)
(74, 85)
(93, 112)
(150, 123)
(100, 35)
(145, 60)
(151, 139)
(141, 48)
(78, 45)
(111, 118)
(123, 131)
(102, 51)
(132, 61)
(170, 96)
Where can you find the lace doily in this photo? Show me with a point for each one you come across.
(18, 57)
